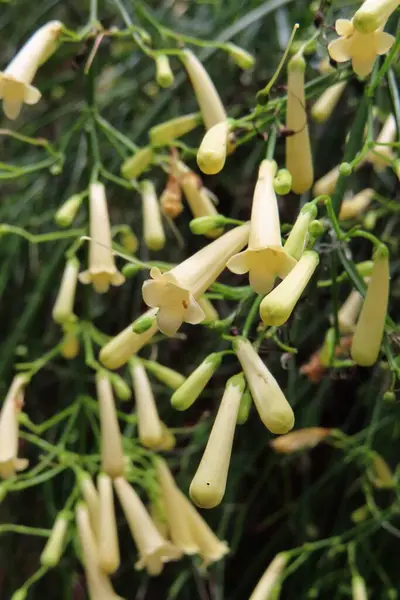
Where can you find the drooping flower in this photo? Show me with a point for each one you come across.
(349, 311)
(278, 305)
(212, 152)
(373, 14)
(63, 310)
(326, 184)
(368, 334)
(208, 485)
(9, 428)
(298, 147)
(120, 348)
(149, 424)
(327, 102)
(153, 549)
(302, 439)
(164, 74)
(135, 165)
(264, 259)
(274, 410)
(297, 239)
(112, 454)
(92, 502)
(265, 588)
(352, 207)
(164, 133)
(153, 230)
(16, 80)
(361, 48)
(102, 271)
(108, 547)
(192, 387)
(175, 292)
(98, 583)
(54, 547)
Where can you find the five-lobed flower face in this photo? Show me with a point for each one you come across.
(361, 48)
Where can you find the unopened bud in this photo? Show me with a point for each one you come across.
(130, 270)
(282, 182)
(203, 225)
(68, 211)
(242, 58)
(345, 169)
(121, 388)
(211, 155)
(316, 228)
(164, 74)
(129, 240)
(137, 164)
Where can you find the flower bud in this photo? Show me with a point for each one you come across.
(211, 155)
(108, 547)
(345, 169)
(153, 231)
(112, 453)
(203, 225)
(63, 310)
(326, 184)
(121, 388)
(20, 594)
(164, 133)
(368, 334)
(352, 207)
(149, 424)
(283, 182)
(316, 228)
(208, 485)
(244, 407)
(130, 270)
(326, 103)
(129, 240)
(171, 378)
(349, 311)
(370, 220)
(52, 552)
(91, 498)
(297, 239)
(278, 305)
(302, 439)
(191, 389)
(137, 164)
(70, 345)
(242, 58)
(264, 589)
(67, 212)
(171, 198)
(164, 74)
(358, 587)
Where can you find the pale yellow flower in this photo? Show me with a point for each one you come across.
(102, 271)
(150, 429)
(112, 454)
(361, 48)
(9, 428)
(353, 206)
(54, 547)
(108, 547)
(16, 80)
(264, 259)
(63, 310)
(153, 230)
(211, 154)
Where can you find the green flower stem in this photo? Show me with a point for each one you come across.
(40, 238)
(252, 315)
(24, 530)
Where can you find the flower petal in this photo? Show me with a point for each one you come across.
(384, 41)
(238, 263)
(151, 293)
(169, 320)
(11, 109)
(31, 95)
(362, 67)
(344, 27)
(339, 50)
(85, 277)
(117, 279)
(261, 281)
(194, 313)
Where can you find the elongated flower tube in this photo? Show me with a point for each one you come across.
(164, 74)
(327, 102)
(108, 547)
(297, 239)
(98, 583)
(16, 80)
(349, 311)
(209, 310)
(112, 454)
(171, 378)
(358, 588)
(9, 428)
(264, 259)
(153, 230)
(191, 389)
(91, 498)
(178, 526)
(352, 207)
(274, 410)
(298, 148)
(153, 549)
(209, 483)
(211, 154)
(387, 135)
(210, 104)
(120, 348)
(211, 548)
(149, 424)
(326, 184)
(278, 305)
(368, 334)
(361, 48)
(373, 14)
(63, 310)
(175, 292)
(264, 589)
(138, 163)
(164, 133)
(54, 547)
(102, 271)
(302, 439)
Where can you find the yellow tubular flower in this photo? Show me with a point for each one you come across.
(168, 376)
(209, 310)
(192, 387)
(362, 49)
(164, 74)
(352, 207)
(178, 526)
(120, 348)
(349, 311)
(327, 183)
(9, 428)
(54, 547)
(135, 165)
(149, 424)
(298, 148)
(153, 549)
(63, 310)
(264, 259)
(175, 292)
(210, 104)
(153, 230)
(368, 335)
(327, 102)
(211, 154)
(15, 81)
(373, 14)
(274, 410)
(302, 439)
(91, 498)
(358, 588)
(98, 583)
(108, 547)
(164, 133)
(298, 236)
(211, 549)
(387, 135)
(278, 305)
(112, 454)
(208, 485)
(265, 587)
(102, 271)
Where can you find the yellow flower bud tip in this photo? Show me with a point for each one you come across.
(164, 74)
(149, 423)
(208, 485)
(112, 454)
(67, 212)
(302, 439)
(373, 15)
(10, 411)
(153, 230)
(164, 133)
(191, 389)
(70, 345)
(53, 549)
(326, 103)
(352, 207)
(326, 184)
(282, 182)
(242, 58)
(168, 376)
(108, 547)
(359, 589)
(264, 589)
(137, 164)
(211, 155)
(64, 305)
(297, 239)
(368, 334)
(203, 225)
(278, 305)
(272, 406)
